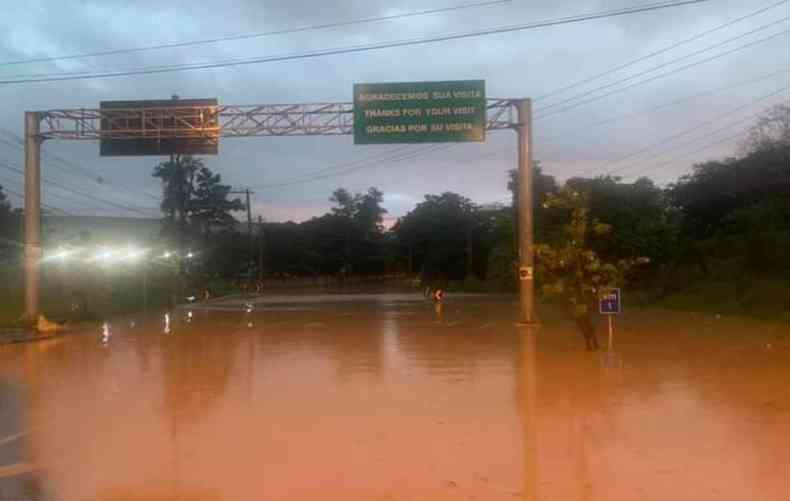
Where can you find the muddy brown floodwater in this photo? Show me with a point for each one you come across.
(385, 397)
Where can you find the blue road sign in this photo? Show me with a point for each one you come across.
(610, 303)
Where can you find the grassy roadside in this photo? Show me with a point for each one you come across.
(764, 298)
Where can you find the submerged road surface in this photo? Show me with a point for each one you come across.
(387, 397)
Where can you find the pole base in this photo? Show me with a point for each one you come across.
(27, 320)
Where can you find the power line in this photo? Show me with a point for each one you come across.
(50, 194)
(642, 112)
(343, 165)
(705, 136)
(699, 35)
(646, 80)
(355, 165)
(351, 49)
(686, 132)
(699, 150)
(638, 113)
(665, 74)
(668, 63)
(411, 155)
(662, 50)
(352, 167)
(694, 141)
(249, 36)
(18, 142)
(368, 161)
(76, 192)
(5, 189)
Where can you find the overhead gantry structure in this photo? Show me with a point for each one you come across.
(209, 123)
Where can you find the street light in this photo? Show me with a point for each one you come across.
(133, 253)
(103, 254)
(60, 254)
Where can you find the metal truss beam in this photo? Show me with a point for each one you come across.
(315, 119)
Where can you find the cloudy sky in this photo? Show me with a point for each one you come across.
(658, 128)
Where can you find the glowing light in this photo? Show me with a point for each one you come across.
(60, 254)
(103, 254)
(167, 323)
(189, 316)
(105, 333)
(248, 307)
(190, 255)
(134, 253)
(167, 255)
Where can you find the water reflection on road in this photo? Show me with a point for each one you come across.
(376, 398)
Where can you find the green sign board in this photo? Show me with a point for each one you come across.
(420, 112)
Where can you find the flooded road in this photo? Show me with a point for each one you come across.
(390, 398)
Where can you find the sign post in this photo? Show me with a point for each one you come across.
(526, 253)
(610, 304)
(32, 248)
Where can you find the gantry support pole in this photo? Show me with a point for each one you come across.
(32, 247)
(526, 255)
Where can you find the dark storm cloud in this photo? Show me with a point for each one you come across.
(523, 64)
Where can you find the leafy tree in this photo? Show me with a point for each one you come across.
(210, 207)
(359, 235)
(717, 188)
(193, 200)
(503, 255)
(369, 212)
(178, 182)
(438, 235)
(10, 226)
(643, 223)
(759, 235)
(571, 269)
(545, 221)
(772, 130)
(345, 203)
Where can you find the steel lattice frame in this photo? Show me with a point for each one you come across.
(316, 119)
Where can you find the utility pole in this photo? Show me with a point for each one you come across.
(468, 249)
(260, 248)
(32, 244)
(247, 192)
(526, 255)
(145, 288)
(249, 215)
(183, 199)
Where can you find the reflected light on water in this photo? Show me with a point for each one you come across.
(105, 333)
